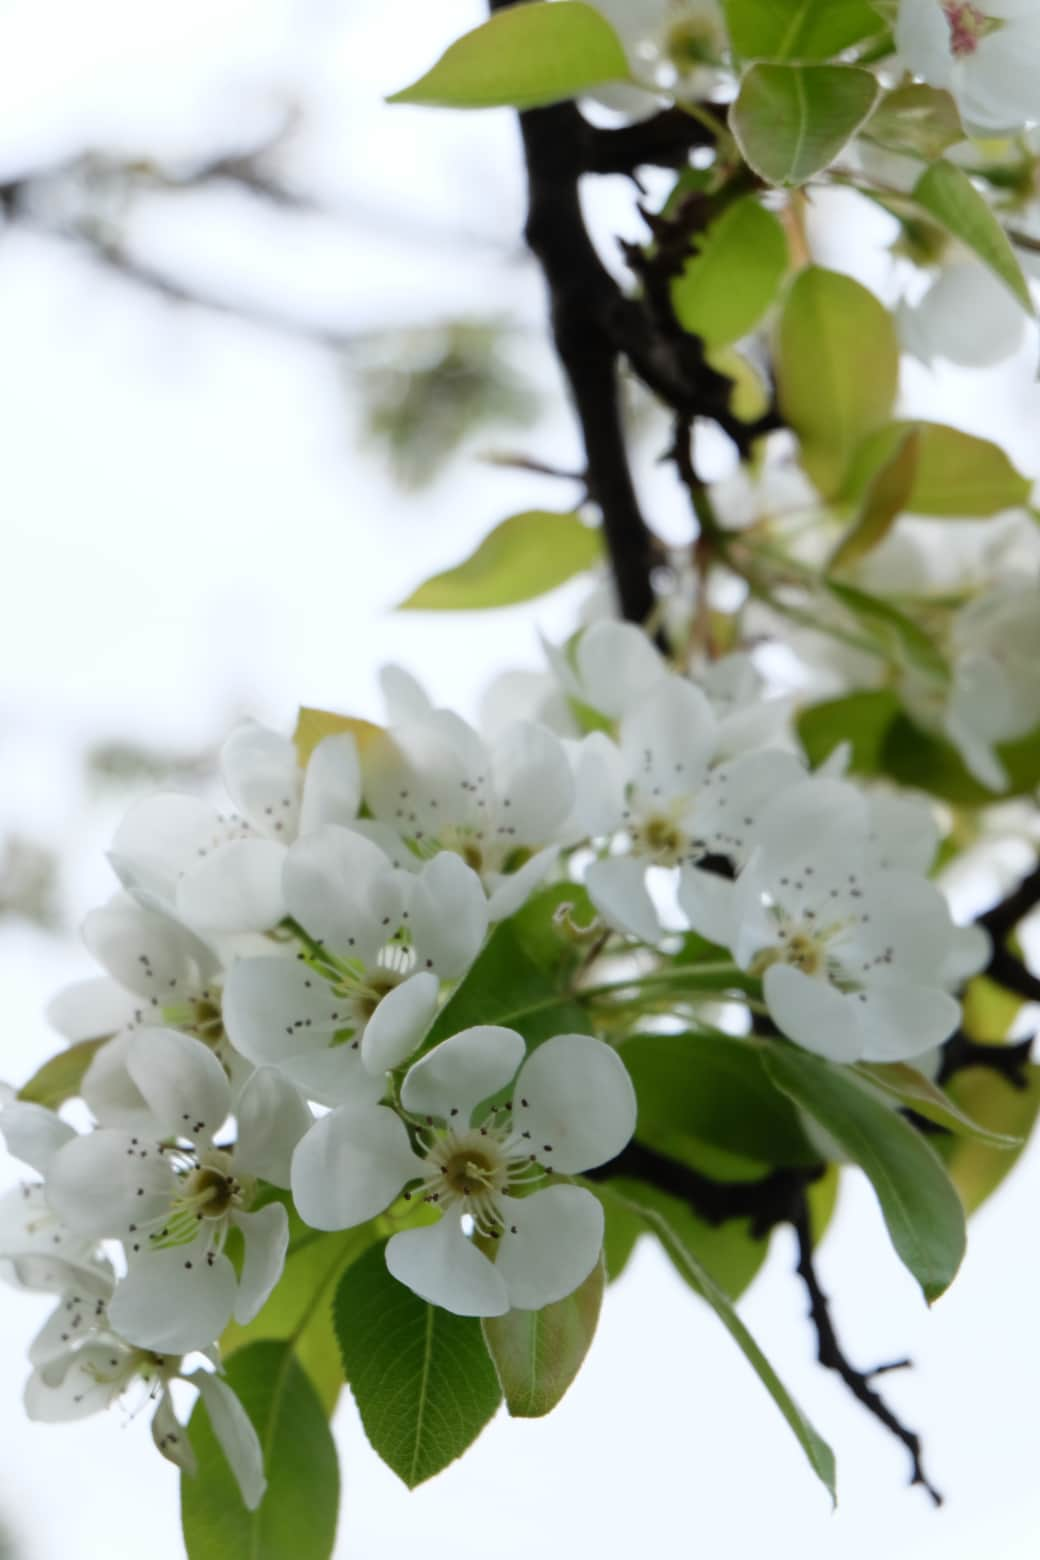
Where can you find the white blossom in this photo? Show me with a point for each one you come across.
(854, 959)
(173, 1198)
(484, 1167)
(382, 940)
(222, 872)
(987, 55)
(435, 785)
(659, 787)
(966, 316)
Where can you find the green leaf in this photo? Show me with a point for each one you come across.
(312, 726)
(921, 1209)
(885, 500)
(421, 1377)
(957, 475)
(712, 1087)
(520, 559)
(300, 1307)
(917, 121)
(524, 57)
(976, 1168)
(60, 1077)
(911, 1088)
(948, 195)
(821, 1458)
(729, 1252)
(894, 631)
(798, 29)
(837, 369)
(537, 1354)
(791, 121)
(521, 979)
(726, 287)
(860, 719)
(297, 1515)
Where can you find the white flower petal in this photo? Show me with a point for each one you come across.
(89, 1385)
(33, 1133)
(261, 772)
(513, 889)
(234, 1431)
(448, 915)
(413, 777)
(343, 891)
(551, 1243)
(811, 1013)
(157, 839)
(399, 1022)
(181, 1081)
(404, 695)
(90, 1009)
(278, 1007)
(352, 1164)
(725, 814)
(111, 1094)
(809, 819)
(668, 739)
(332, 785)
(106, 1181)
(440, 1265)
(235, 888)
(460, 1072)
(599, 786)
(617, 666)
(171, 1438)
(709, 903)
(147, 952)
(266, 1237)
(576, 1099)
(335, 1076)
(617, 887)
(173, 1300)
(900, 1022)
(533, 784)
(903, 832)
(272, 1117)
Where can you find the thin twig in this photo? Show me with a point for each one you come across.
(831, 1355)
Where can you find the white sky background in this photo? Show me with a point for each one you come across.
(190, 531)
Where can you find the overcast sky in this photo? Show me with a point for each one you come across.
(192, 531)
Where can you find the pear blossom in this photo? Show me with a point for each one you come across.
(674, 45)
(159, 973)
(610, 669)
(854, 959)
(436, 785)
(172, 1198)
(986, 54)
(658, 786)
(222, 872)
(485, 1167)
(967, 316)
(336, 1018)
(81, 1367)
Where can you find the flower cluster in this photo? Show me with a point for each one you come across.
(269, 1036)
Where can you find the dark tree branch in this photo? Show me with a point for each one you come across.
(583, 297)
(1002, 918)
(663, 141)
(1009, 1060)
(766, 1202)
(831, 1355)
